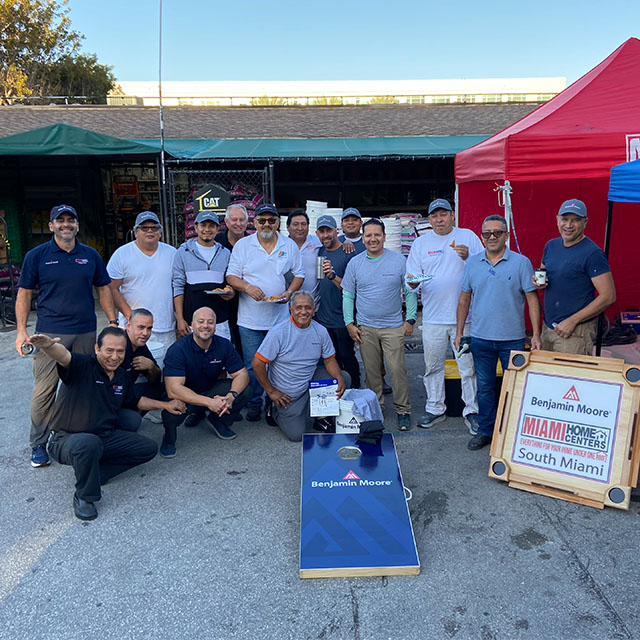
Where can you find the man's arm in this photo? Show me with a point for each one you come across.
(260, 371)
(178, 305)
(177, 390)
(23, 307)
(296, 283)
(605, 298)
(333, 369)
(177, 407)
(242, 285)
(52, 347)
(147, 367)
(118, 298)
(534, 316)
(464, 302)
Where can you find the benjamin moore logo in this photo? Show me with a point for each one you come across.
(572, 394)
(351, 476)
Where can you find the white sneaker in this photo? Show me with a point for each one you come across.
(154, 416)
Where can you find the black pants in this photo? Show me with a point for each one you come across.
(130, 419)
(171, 422)
(96, 459)
(346, 354)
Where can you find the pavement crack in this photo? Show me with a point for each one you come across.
(355, 607)
(583, 569)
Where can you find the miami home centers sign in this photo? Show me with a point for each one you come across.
(567, 426)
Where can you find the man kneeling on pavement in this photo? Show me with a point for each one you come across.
(195, 372)
(85, 427)
(292, 350)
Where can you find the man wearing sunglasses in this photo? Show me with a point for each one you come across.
(141, 278)
(265, 268)
(500, 280)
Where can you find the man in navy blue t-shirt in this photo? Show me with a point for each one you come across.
(64, 272)
(576, 269)
(192, 373)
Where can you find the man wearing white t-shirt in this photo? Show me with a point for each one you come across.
(265, 268)
(309, 245)
(140, 274)
(441, 254)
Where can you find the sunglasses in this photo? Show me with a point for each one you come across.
(266, 220)
(155, 227)
(496, 234)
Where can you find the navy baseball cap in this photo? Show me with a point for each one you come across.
(266, 208)
(207, 215)
(145, 216)
(326, 221)
(58, 210)
(351, 211)
(573, 206)
(439, 203)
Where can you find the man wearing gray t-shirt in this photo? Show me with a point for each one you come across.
(373, 284)
(292, 349)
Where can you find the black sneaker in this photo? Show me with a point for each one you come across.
(478, 442)
(223, 432)
(268, 414)
(254, 413)
(39, 456)
(84, 510)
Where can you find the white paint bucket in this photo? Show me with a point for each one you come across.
(348, 421)
(158, 351)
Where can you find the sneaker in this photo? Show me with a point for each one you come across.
(193, 419)
(223, 432)
(386, 389)
(404, 421)
(154, 416)
(168, 450)
(254, 413)
(428, 420)
(471, 421)
(39, 456)
(478, 441)
(268, 414)
(84, 510)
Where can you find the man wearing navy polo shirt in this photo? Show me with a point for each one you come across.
(64, 271)
(85, 425)
(500, 281)
(192, 369)
(576, 269)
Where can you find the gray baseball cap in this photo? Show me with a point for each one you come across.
(439, 203)
(351, 211)
(208, 215)
(145, 216)
(573, 206)
(326, 221)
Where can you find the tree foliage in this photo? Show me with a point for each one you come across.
(40, 54)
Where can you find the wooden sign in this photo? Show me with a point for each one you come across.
(567, 427)
(354, 518)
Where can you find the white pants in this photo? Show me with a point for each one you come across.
(166, 338)
(435, 338)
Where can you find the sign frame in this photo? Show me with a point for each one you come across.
(590, 453)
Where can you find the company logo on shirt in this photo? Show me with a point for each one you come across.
(215, 361)
(282, 254)
(82, 261)
(435, 253)
(52, 262)
(99, 382)
(118, 389)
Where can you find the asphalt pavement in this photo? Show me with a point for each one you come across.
(205, 545)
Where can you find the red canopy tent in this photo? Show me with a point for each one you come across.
(565, 149)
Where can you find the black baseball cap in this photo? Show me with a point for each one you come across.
(58, 210)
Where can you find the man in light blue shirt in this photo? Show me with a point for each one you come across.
(373, 283)
(500, 280)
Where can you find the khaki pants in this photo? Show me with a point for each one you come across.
(580, 341)
(388, 344)
(45, 374)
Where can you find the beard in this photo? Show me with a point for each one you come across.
(266, 235)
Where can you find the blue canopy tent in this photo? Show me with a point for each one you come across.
(624, 186)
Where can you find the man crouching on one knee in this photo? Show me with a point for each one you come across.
(85, 430)
(292, 349)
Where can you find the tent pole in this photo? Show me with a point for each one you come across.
(607, 242)
(164, 214)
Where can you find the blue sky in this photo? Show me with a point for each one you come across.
(354, 39)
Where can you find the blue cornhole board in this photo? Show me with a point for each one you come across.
(354, 519)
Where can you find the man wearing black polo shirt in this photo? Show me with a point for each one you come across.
(192, 369)
(64, 271)
(84, 420)
(139, 361)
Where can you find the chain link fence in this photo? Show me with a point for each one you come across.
(249, 187)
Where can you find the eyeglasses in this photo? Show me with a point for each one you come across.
(496, 234)
(266, 220)
(147, 229)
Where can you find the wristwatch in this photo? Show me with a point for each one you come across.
(411, 322)
(113, 322)
(233, 393)
(332, 276)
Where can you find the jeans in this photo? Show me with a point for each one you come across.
(486, 354)
(251, 341)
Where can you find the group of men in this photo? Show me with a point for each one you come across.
(266, 313)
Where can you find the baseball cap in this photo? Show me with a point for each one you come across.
(143, 216)
(439, 203)
(60, 209)
(207, 215)
(326, 221)
(351, 211)
(266, 208)
(573, 206)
